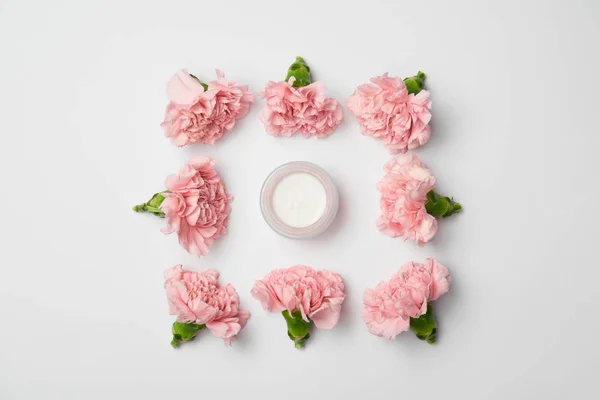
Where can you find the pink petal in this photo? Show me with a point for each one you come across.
(327, 317)
(184, 90)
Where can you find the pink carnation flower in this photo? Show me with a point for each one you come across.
(389, 308)
(197, 206)
(317, 295)
(387, 111)
(431, 280)
(306, 110)
(403, 196)
(197, 298)
(195, 114)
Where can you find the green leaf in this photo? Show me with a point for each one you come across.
(300, 71)
(415, 84)
(184, 332)
(298, 329)
(425, 326)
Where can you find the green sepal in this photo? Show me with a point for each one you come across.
(441, 206)
(300, 71)
(184, 332)
(153, 205)
(425, 327)
(298, 329)
(204, 85)
(415, 84)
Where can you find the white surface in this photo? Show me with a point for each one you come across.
(299, 200)
(515, 139)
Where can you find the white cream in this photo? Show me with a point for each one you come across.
(299, 199)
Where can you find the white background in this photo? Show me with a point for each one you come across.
(515, 139)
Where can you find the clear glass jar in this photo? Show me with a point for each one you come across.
(276, 222)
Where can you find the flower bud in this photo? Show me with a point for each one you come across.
(415, 84)
(152, 205)
(425, 327)
(184, 332)
(298, 328)
(441, 206)
(300, 71)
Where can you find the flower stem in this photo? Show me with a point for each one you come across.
(298, 328)
(415, 84)
(300, 71)
(425, 326)
(176, 342)
(441, 206)
(153, 205)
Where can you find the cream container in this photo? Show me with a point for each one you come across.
(299, 200)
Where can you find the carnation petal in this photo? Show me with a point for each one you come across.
(184, 90)
(267, 298)
(224, 329)
(197, 297)
(197, 207)
(201, 162)
(204, 313)
(384, 110)
(327, 317)
(390, 328)
(315, 295)
(305, 110)
(207, 232)
(441, 278)
(174, 272)
(203, 116)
